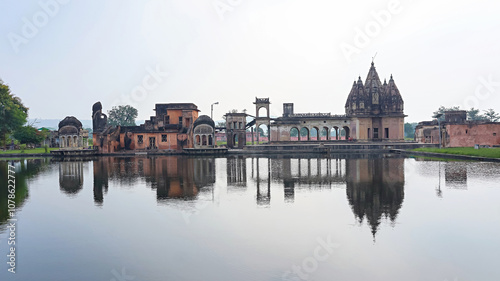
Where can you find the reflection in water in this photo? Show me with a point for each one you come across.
(236, 168)
(374, 184)
(375, 188)
(172, 176)
(25, 170)
(455, 174)
(71, 177)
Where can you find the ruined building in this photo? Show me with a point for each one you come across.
(457, 131)
(71, 134)
(174, 127)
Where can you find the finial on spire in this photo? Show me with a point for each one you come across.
(391, 77)
(373, 58)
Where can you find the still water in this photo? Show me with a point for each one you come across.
(364, 217)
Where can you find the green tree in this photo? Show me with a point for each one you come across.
(410, 130)
(13, 114)
(473, 114)
(491, 115)
(441, 110)
(29, 135)
(122, 115)
(261, 132)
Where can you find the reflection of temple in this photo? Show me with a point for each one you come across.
(171, 176)
(71, 177)
(375, 189)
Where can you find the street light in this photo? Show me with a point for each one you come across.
(212, 110)
(439, 125)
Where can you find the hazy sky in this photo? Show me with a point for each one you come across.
(60, 57)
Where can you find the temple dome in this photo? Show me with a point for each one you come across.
(204, 119)
(70, 121)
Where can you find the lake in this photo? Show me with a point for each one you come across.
(341, 217)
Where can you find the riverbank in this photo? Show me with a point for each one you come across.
(35, 152)
(461, 153)
(467, 151)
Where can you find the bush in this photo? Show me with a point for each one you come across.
(46, 147)
(22, 147)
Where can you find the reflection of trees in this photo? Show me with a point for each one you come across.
(171, 176)
(375, 189)
(25, 170)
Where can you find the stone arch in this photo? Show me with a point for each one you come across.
(259, 111)
(324, 135)
(304, 134)
(347, 131)
(261, 103)
(314, 133)
(62, 142)
(203, 133)
(262, 138)
(235, 140)
(75, 141)
(334, 135)
(295, 136)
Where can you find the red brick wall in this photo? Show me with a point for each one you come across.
(467, 135)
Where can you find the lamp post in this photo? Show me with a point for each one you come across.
(212, 110)
(439, 125)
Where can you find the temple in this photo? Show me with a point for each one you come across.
(374, 111)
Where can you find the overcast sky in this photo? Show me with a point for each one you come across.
(63, 56)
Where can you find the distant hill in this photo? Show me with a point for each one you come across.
(54, 123)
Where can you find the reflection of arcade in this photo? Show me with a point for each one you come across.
(71, 177)
(375, 188)
(171, 176)
(297, 172)
(309, 172)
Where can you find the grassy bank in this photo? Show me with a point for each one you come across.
(40, 150)
(469, 151)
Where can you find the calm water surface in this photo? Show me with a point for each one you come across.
(365, 217)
